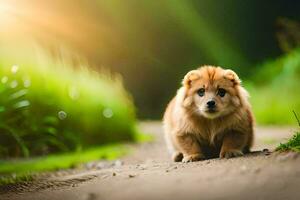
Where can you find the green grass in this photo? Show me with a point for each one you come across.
(22, 170)
(57, 113)
(61, 161)
(15, 178)
(19, 170)
(58, 105)
(292, 144)
(67, 160)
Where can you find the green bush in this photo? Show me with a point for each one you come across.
(274, 90)
(47, 106)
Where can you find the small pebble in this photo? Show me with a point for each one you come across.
(90, 165)
(118, 163)
(265, 150)
(103, 165)
(114, 174)
(131, 176)
(100, 165)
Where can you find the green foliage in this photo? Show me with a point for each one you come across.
(274, 90)
(61, 161)
(47, 106)
(14, 178)
(293, 143)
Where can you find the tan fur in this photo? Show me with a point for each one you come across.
(193, 133)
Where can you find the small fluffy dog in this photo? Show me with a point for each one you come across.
(209, 117)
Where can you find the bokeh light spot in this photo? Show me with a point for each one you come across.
(73, 93)
(4, 79)
(108, 113)
(14, 69)
(26, 83)
(14, 84)
(62, 115)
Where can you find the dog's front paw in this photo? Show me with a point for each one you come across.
(231, 153)
(192, 158)
(177, 156)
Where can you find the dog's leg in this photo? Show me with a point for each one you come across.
(190, 148)
(233, 144)
(173, 150)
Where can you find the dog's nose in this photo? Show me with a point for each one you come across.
(211, 104)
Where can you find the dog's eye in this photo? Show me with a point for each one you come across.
(221, 92)
(201, 92)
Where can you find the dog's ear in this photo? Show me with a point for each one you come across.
(187, 83)
(190, 77)
(232, 76)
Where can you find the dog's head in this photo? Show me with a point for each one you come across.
(212, 91)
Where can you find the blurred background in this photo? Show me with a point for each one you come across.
(90, 68)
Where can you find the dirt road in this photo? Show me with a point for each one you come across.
(148, 173)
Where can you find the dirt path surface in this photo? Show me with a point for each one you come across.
(148, 173)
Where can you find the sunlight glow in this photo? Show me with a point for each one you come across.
(5, 10)
(7, 17)
(5, 7)
(21, 20)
